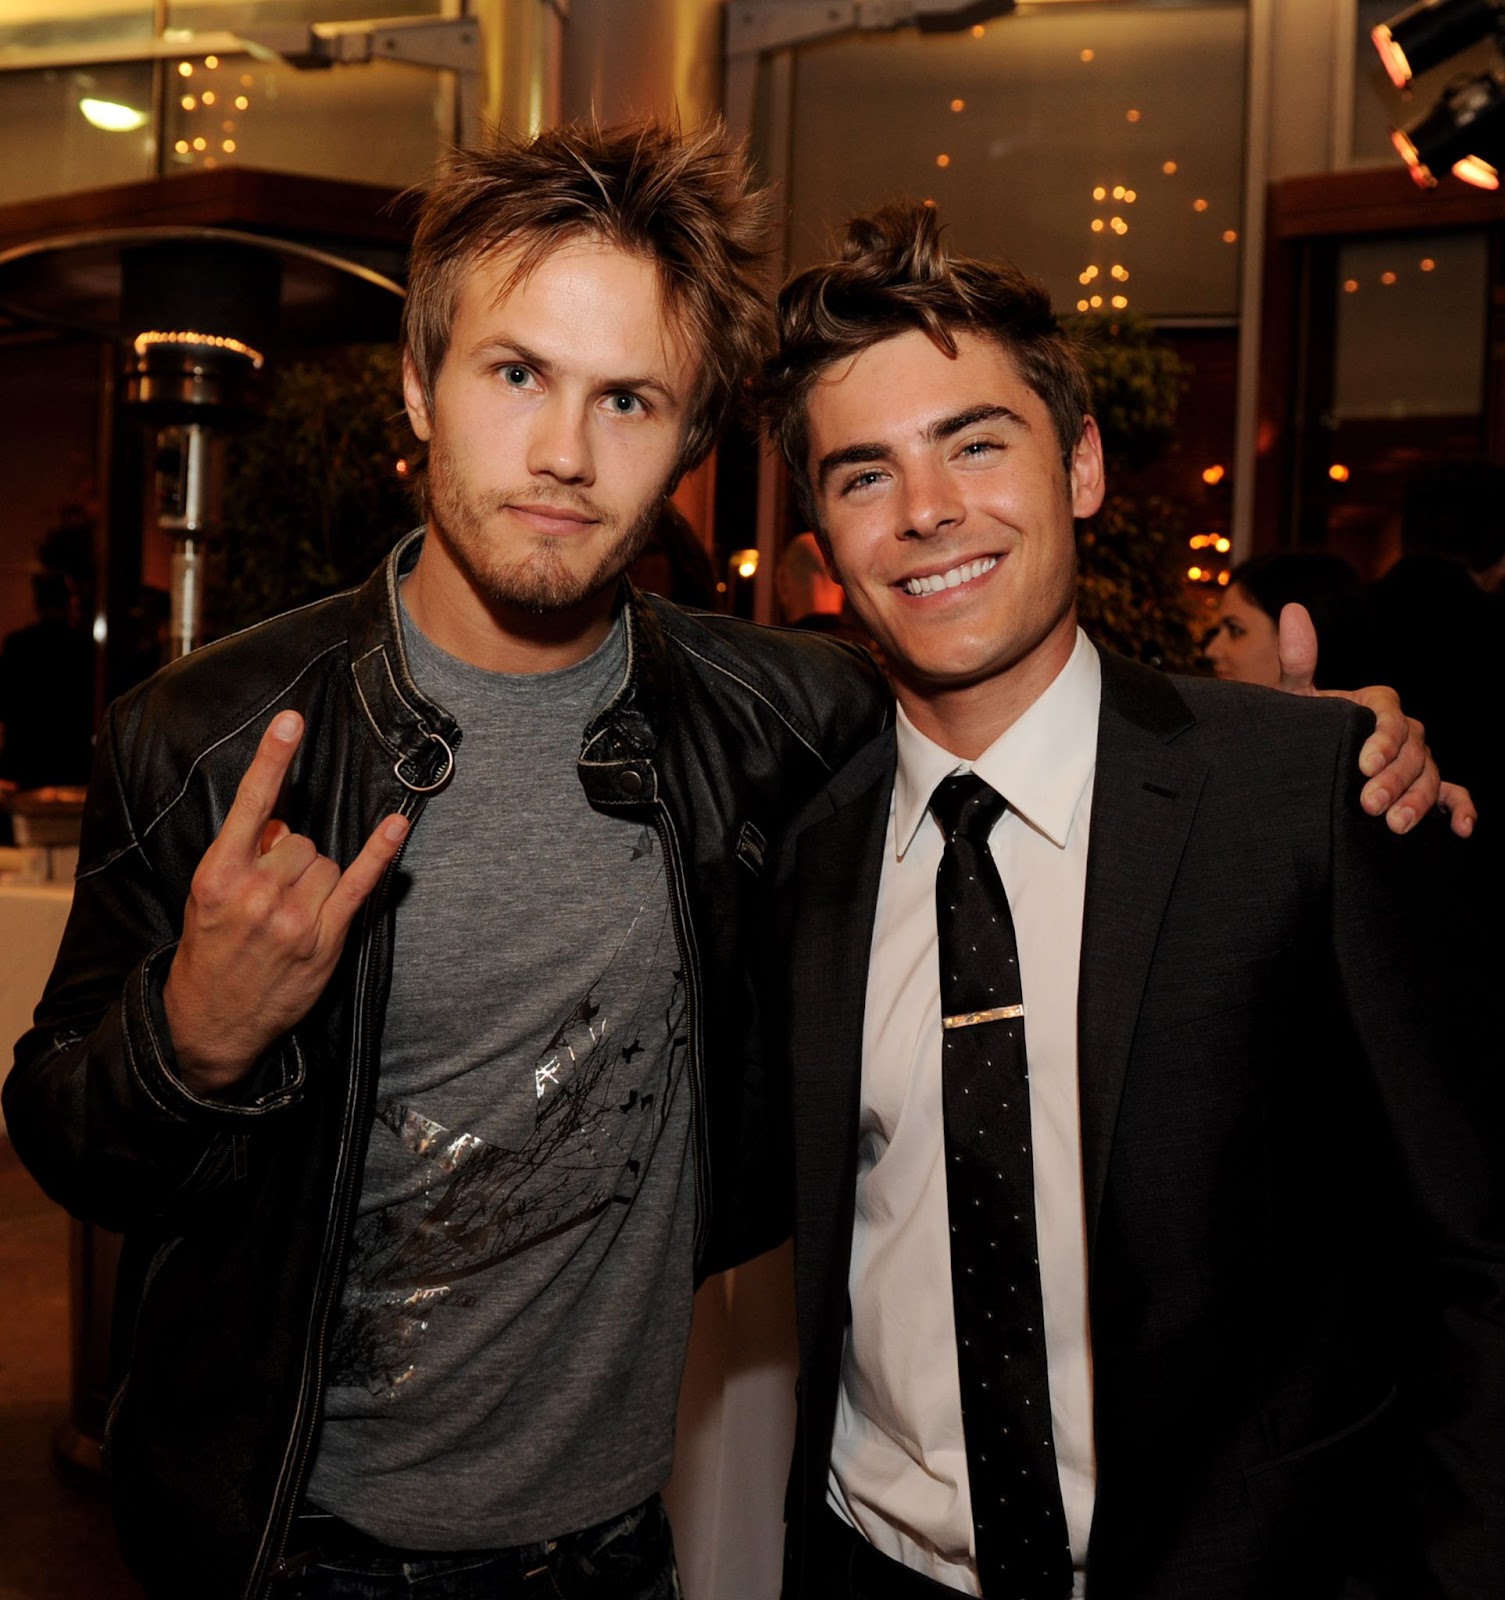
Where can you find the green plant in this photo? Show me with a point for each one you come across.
(1130, 592)
(313, 494)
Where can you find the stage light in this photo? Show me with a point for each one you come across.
(1463, 133)
(1428, 33)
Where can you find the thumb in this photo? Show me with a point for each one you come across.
(1298, 651)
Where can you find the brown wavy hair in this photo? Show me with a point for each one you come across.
(894, 274)
(683, 201)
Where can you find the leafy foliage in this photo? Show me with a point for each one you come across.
(313, 499)
(1129, 588)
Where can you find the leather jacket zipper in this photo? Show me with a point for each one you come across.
(271, 1558)
(689, 964)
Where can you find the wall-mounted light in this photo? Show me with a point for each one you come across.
(110, 116)
(1428, 33)
(1463, 133)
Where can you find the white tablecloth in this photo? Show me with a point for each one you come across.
(31, 927)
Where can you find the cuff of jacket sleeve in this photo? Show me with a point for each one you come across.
(275, 1081)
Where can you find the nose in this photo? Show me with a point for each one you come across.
(560, 444)
(1214, 646)
(932, 504)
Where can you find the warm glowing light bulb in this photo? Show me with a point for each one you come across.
(1214, 474)
(1097, 301)
(1118, 191)
(241, 103)
(1387, 278)
(228, 146)
(745, 562)
(1130, 196)
(1120, 302)
(1199, 204)
(1121, 273)
(978, 30)
(1224, 546)
(208, 97)
(1082, 305)
(1477, 171)
(943, 160)
(1131, 116)
(188, 102)
(211, 62)
(1223, 578)
(1194, 573)
(200, 144)
(185, 69)
(1338, 472)
(111, 116)
(1350, 286)
(1097, 224)
(1099, 193)
(1230, 235)
(1428, 264)
(1169, 168)
(1089, 55)
(181, 147)
(958, 105)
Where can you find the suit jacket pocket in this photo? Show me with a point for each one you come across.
(1324, 1506)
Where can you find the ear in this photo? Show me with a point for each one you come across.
(1088, 480)
(415, 400)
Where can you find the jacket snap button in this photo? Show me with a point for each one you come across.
(631, 782)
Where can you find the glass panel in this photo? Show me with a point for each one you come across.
(88, 24)
(1073, 140)
(1378, 106)
(1407, 385)
(72, 128)
(1411, 330)
(375, 123)
(208, 15)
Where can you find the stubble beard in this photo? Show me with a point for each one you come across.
(540, 581)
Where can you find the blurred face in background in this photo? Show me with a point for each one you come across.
(1244, 646)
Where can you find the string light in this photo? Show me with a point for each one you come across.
(185, 69)
(978, 30)
(958, 105)
(1339, 473)
(1099, 193)
(1230, 236)
(1214, 474)
(208, 97)
(1199, 204)
(1169, 168)
(214, 341)
(188, 102)
(1089, 55)
(1083, 305)
(1120, 302)
(1428, 264)
(211, 62)
(1098, 224)
(1351, 286)
(1387, 278)
(1131, 116)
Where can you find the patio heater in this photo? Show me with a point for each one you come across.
(197, 314)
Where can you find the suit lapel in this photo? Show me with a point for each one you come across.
(1144, 798)
(837, 862)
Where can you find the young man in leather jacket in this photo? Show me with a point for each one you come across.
(400, 1019)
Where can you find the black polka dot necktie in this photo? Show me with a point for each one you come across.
(1023, 1551)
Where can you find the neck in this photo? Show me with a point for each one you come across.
(965, 719)
(495, 636)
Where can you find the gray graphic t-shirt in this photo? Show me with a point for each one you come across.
(507, 1354)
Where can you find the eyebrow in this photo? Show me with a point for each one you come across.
(947, 427)
(501, 345)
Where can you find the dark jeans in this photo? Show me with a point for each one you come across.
(631, 1557)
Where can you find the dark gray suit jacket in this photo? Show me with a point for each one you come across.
(1290, 1137)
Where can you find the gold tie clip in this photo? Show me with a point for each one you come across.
(969, 1019)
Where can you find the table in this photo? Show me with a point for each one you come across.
(31, 928)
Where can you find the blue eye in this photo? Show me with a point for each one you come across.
(624, 404)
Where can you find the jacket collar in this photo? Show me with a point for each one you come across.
(422, 736)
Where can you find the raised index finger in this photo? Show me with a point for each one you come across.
(256, 794)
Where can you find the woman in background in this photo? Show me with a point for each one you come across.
(1243, 643)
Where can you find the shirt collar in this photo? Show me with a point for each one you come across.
(1040, 765)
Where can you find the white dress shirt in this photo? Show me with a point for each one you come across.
(898, 1460)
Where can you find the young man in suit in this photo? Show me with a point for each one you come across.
(1148, 1237)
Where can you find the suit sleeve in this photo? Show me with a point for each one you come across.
(1416, 964)
(92, 1104)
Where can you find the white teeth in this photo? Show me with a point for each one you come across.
(949, 580)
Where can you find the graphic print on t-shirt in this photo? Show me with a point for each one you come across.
(597, 1097)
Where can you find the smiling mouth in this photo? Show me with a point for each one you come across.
(952, 579)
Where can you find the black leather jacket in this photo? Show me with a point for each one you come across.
(237, 1214)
